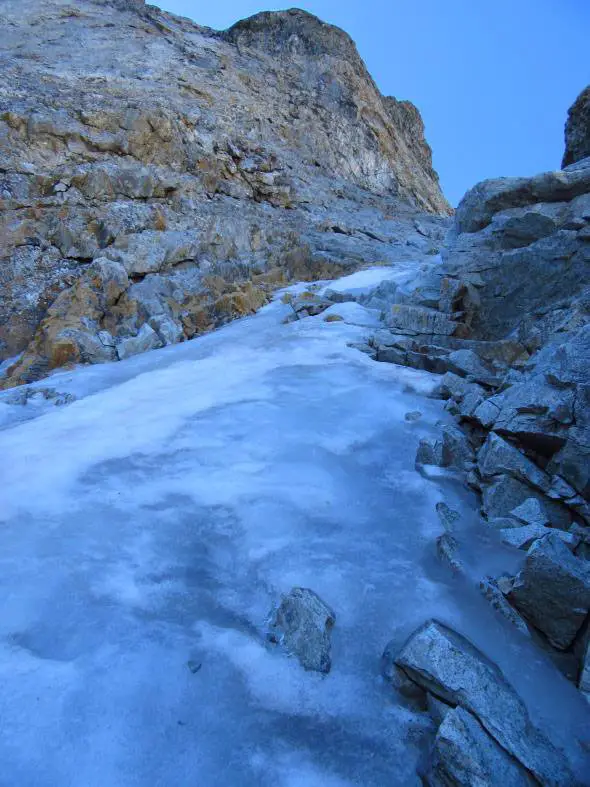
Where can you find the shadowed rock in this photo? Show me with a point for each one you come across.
(449, 666)
(303, 624)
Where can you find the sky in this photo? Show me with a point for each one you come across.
(493, 79)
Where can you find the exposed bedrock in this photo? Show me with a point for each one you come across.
(212, 167)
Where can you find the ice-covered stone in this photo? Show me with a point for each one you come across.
(552, 590)
(303, 625)
(492, 592)
(446, 664)
(464, 755)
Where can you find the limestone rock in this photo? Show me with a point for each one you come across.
(210, 169)
(303, 624)
(446, 664)
(465, 755)
(552, 590)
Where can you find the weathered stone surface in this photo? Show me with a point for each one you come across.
(531, 513)
(467, 364)
(493, 594)
(303, 624)
(430, 452)
(146, 339)
(520, 242)
(465, 755)
(553, 590)
(210, 174)
(448, 552)
(505, 493)
(419, 320)
(577, 130)
(446, 664)
(584, 682)
(448, 517)
(456, 448)
(523, 537)
(498, 457)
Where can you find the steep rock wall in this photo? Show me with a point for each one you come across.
(160, 177)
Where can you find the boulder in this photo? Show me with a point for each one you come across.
(456, 448)
(303, 625)
(530, 513)
(418, 319)
(552, 590)
(486, 413)
(491, 591)
(466, 363)
(430, 452)
(464, 755)
(486, 199)
(504, 493)
(450, 667)
(498, 457)
(523, 537)
(448, 517)
(168, 330)
(448, 551)
(146, 339)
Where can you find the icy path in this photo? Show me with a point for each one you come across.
(149, 527)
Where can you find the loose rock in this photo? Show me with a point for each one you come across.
(303, 625)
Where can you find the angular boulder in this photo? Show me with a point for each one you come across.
(498, 457)
(146, 339)
(523, 537)
(493, 594)
(552, 590)
(464, 755)
(504, 493)
(303, 625)
(448, 665)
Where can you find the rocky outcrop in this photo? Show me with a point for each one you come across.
(504, 317)
(577, 130)
(490, 728)
(210, 167)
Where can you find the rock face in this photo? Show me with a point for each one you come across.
(505, 318)
(577, 130)
(303, 625)
(523, 244)
(210, 167)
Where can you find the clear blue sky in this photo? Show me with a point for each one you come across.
(492, 78)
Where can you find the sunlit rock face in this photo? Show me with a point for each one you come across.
(212, 167)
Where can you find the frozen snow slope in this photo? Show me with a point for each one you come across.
(149, 527)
